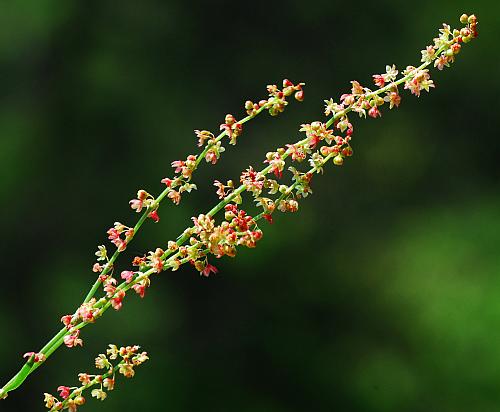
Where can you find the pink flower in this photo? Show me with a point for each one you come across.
(109, 289)
(203, 135)
(393, 98)
(84, 378)
(66, 320)
(136, 205)
(178, 165)
(117, 301)
(174, 196)
(379, 80)
(441, 62)
(64, 391)
(38, 357)
(252, 179)
(374, 112)
(209, 269)
(97, 268)
(211, 157)
(114, 236)
(127, 275)
(140, 289)
(72, 340)
(220, 189)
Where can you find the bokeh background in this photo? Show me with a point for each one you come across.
(381, 294)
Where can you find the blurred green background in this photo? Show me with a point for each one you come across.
(381, 294)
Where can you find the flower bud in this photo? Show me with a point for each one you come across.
(338, 160)
(347, 151)
(299, 96)
(465, 32)
(464, 18)
(229, 119)
(315, 126)
(248, 105)
(79, 400)
(199, 265)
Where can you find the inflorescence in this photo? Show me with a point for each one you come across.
(70, 397)
(324, 141)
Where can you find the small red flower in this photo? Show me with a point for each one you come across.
(378, 80)
(117, 301)
(64, 391)
(268, 217)
(140, 289)
(374, 112)
(66, 320)
(209, 269)
(178, 165)
(154, 216)
(167, 181)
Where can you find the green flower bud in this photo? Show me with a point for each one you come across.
(79, 400)
(338, 160)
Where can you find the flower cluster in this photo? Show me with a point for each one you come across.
(72, 397)
(363, 100)
(238, 228)
(277, 98)
(120, 235)
(323, 142)
(115, 235)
